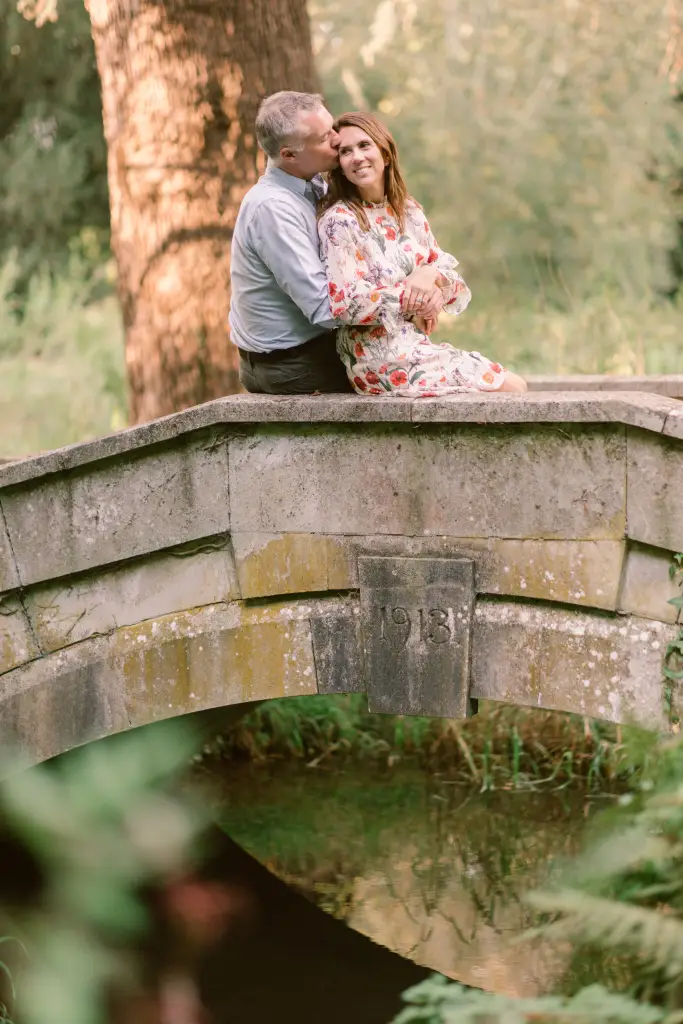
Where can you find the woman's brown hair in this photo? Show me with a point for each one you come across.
(340, 188)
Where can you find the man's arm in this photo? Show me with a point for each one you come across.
(283, 243)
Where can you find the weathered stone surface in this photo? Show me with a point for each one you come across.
(596, 665)
(9, 578)
(118, 510)
(574, 572)
(647, 586)
(215, 656)
(74, 609)
(17, 643)
(646, 410)
(655, 490)
(416, 616)
(674, 423)
(553, 482)
(60, 713)
(337, 650)
(292, 563)
(177, 664)
(591, 406)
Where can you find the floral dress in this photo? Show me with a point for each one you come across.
(383, 352)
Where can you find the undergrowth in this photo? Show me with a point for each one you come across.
(502, 747)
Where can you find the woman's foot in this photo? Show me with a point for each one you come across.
(513, 384)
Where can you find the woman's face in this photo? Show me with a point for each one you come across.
(361, 161)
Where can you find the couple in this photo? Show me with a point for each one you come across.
(337, 285)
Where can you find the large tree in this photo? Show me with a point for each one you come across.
(181, 83)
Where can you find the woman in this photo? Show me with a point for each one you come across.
(383, 264)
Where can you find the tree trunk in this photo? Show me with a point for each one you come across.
(181, 83)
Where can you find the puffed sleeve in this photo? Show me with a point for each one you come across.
(457, 294)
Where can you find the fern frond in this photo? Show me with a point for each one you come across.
(653, 936)
(437, 1001)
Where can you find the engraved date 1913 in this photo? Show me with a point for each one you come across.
(434, 625)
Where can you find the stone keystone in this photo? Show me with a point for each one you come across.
(416, 618)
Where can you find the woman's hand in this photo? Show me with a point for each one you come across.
(424, 324)
(422, 295)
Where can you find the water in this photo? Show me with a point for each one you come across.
(419, 865)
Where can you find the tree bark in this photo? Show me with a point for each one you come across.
(181, 83)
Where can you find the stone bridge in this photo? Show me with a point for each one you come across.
(430, 553)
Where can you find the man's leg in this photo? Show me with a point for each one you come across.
(306, 370)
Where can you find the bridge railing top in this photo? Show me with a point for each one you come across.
(669, 385)
(647, 410)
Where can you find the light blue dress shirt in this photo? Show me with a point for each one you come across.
(279, 287)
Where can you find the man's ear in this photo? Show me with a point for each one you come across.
(287, 154)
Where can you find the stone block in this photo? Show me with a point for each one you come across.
(655, 490)
(192, 661)
(416, 616)
(674, 423)
(58, 714)
(647, 586)
(70, 522)
(574, 572)
(291, 563)
(595, 664)
(455, 480)
(17, 643)
(60, 701)
(337, 650)
(9, 578)
(74, 609)
(215, 656)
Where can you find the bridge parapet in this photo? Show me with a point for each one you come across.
(211, 557)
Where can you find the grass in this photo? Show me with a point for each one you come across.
(604, 333)
(501, 748)
(61, 362)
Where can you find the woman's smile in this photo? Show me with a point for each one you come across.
(362, 162)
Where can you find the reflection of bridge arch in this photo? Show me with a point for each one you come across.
(211, 558)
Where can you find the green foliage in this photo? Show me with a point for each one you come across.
(61, 359)
(436, 1001)
(101, 822)
(541, 136)
(53, 184)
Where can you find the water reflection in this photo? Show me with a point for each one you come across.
(413, 862)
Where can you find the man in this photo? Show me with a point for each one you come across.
(280, 316)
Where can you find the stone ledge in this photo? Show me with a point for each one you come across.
(670, 385)
(649, 411)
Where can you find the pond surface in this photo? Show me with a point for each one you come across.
(427, 869)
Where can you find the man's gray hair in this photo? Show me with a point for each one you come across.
(278, 120)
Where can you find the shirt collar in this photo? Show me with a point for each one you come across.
(294, 184)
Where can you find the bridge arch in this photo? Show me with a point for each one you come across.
(212, 557)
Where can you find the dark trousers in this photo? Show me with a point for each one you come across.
(303, 370)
